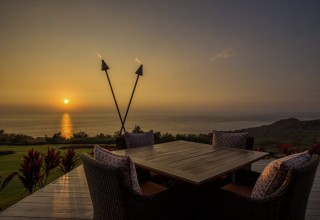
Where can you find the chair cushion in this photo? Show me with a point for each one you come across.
(224, 139)
(139, 139)
(274, 175)
(150, 188)
(238, 189)
(118, 161)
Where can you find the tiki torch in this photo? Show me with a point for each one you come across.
(139, 73)
(104, 67)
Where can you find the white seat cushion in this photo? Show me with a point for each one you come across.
(118, 161)
(274, 175)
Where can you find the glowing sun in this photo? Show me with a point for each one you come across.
(66, 101)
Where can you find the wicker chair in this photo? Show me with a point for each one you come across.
(121, 143)
(289, 202)
(133, 140)
(113, 199)
(129, 140)
(249, 143)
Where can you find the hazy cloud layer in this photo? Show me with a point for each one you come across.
(224, 54)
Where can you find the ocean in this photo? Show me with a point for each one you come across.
(40, 125)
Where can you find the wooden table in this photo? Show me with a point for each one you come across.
(191, 162)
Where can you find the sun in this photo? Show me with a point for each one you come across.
(66, 101)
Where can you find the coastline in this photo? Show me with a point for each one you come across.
(40, 125)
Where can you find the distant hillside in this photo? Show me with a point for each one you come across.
(286, 131)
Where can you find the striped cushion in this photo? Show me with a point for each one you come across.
(274, 175)
(124, 162)
(224, 139)
(139, 139)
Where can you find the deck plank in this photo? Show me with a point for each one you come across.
(68, 198)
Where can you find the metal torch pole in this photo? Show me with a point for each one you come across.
(139, 73)
(105, 68)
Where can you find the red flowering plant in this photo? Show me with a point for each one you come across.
(7, 180)
(69, 161)
(315, 149)
(30, 170)
(51, 161)
(285, 148)
(259, 148)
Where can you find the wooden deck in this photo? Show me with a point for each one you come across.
(69, 198)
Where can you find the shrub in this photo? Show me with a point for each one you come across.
(80, 134)
(6, 152)
(166, 138)
(157, 136)
(103, 136)
(56, 138)
(137, 129)
(192, 137)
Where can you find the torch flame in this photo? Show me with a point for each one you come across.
(137, 60)
(98, 54)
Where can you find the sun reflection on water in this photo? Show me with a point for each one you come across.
(66, 126)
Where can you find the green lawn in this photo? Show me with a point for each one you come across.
(15, 191)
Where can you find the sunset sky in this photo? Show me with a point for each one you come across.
(198, 56)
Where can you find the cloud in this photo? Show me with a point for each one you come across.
(224, 54)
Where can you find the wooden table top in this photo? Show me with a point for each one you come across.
(192, 162)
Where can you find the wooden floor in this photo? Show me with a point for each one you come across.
(69, 198)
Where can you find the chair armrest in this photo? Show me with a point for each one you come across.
(168, 204)
(173, 203)
(233, 206)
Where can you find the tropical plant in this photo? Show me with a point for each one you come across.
(30, 169)
(69, 160)
(51, 160)
(7, 180)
